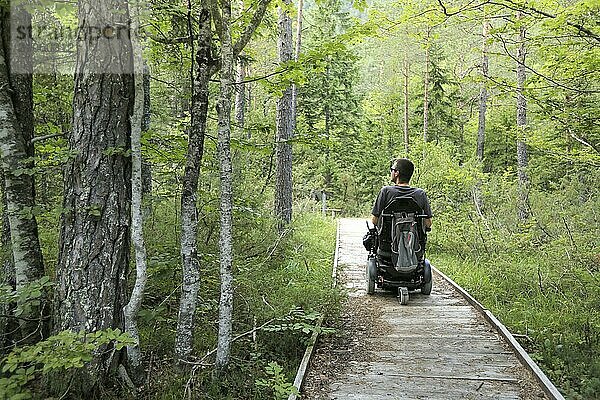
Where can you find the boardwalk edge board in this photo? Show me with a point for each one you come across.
(299, 380)
(521, 354)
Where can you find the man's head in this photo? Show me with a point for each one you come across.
(402, 170)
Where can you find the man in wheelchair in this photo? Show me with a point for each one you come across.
(402, 217)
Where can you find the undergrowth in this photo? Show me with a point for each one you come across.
(282, 286)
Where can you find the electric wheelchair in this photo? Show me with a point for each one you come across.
(396, 249)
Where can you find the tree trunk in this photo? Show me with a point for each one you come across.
(224, 151)
(199, 114)
(426, 92)
(240, 86)
(131, 310)
(296, 57)
(16, 132)
(522, 202)
(146, 164)
(327, 175)
(240, 95)
(189, 213)
(483, 95)
(406, 75)
(94, 240)
(283, 169)
(7, 271)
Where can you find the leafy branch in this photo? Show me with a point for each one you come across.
(518, 7)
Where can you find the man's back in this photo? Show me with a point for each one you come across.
(388, 193)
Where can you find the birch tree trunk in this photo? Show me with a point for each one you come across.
(522, 161)
(406, 75)
(206, 66)
(224, 151)
(189, 213)
(131, 310)
(483, 94)
(283, 168)
(240, 95)
(94, 239)
(16, 151)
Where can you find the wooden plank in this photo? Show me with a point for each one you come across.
(368, 388)
(479, 360)
(451, 369)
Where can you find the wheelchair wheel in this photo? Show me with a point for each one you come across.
(426, 288)
(403, 295)
(371, 275)
(427, 278)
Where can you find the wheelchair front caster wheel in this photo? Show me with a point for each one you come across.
(403, 295)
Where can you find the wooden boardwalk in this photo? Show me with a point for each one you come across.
(436, 347)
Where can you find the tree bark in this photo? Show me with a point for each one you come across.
(146, 164)
(522, 159)
(226, 206)
(283, 168)
(240, 86)
(240, 96)
(426, 92)
(206, 66)
(7, 271)
(296, 57)
(483, 94)
(16, 132)
(406, 75)
(131, 310)
(189, 212)
(94, 240)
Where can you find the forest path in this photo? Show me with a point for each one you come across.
(436, 347)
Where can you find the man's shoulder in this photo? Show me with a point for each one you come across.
(419, 190)
(387, 189)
